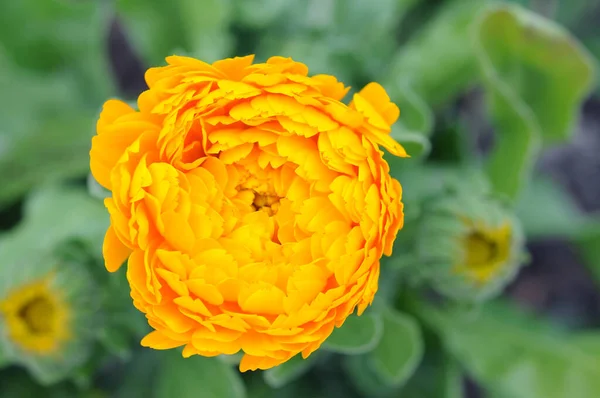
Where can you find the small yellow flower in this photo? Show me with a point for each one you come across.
(486, 250)
(253, 205)
(37, 317)
(468, 245)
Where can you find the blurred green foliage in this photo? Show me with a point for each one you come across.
(535, 63)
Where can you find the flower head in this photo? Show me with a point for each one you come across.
(36, 317)
(252, 203)
(47, 312)
(471, 246)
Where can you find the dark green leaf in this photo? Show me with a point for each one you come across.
(438, 376)
(138, 379)
(197, 376)
(289, 371)
(588, 242)
(365, 379)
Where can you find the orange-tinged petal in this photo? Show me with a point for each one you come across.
(159, 341)
(254, 206)
(114, 251)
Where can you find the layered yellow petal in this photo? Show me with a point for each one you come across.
(253, 205)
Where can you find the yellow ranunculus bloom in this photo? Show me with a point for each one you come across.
(253, 205)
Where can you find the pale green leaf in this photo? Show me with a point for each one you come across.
(415, 114)
(536, 76)
(416, 145)
(358, 334)
(439, 60)
(289, 371)
(259, 13)
(518, 356)
(545, 210)
(60, 35)
(160, 29)
(51, 146)
(400, 350)
(154, 28)
(97, 190)
(206, 27)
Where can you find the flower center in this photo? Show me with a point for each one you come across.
(265, 202)
(487, 248)
(37, 315)
(480, 250)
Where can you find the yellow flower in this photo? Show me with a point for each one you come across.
(468, 245)
(486, 250)
(36, 317)
(253, 205)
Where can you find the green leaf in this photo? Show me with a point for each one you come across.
(415, 114)
(51, 146)
(197, 376)
(400, 350)
(232, 360)
(545, 210)
(154, 27)
(416, 145)
(259, 13)
(572, 13)
(360, 30)
(159, 29)
(438, 376)
(16, 383)
(587, 242)
(302, 388)
(140, 374)
(536, 76)
(53, 214)
(361, 375)
(540, 63)
(206, 26)
(517, 145)
(438, 61)
(358, 334)
(52, 218)
(518, 356)
(97, 190)
(116, 341)
(289, 371)
(4, 361)
(61, 36)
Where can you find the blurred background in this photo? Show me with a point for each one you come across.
(469, 76)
